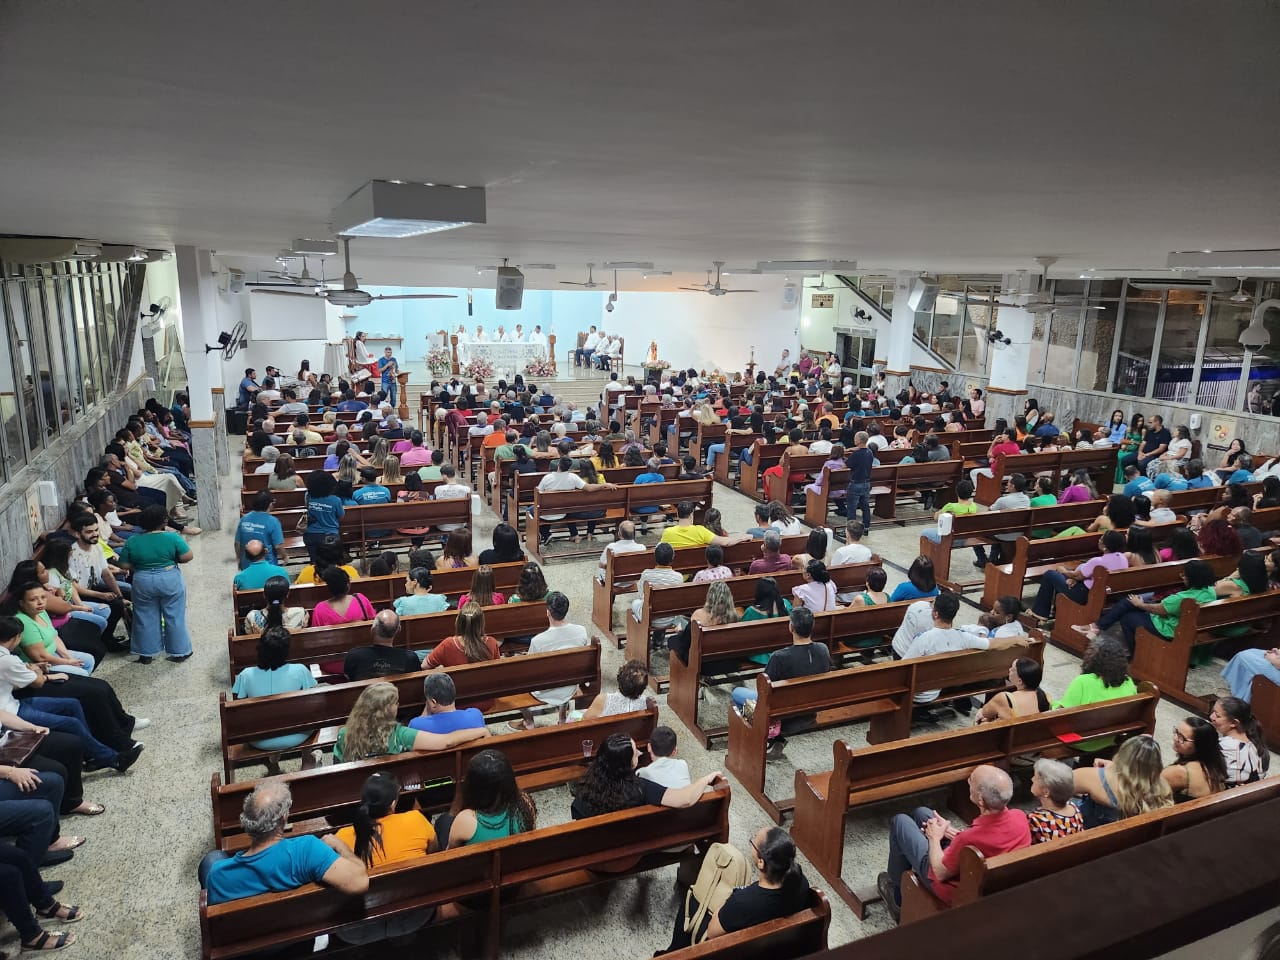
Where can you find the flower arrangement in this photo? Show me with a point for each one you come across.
(478, 369)
(539, 367)
(439, 361)
(657, 364)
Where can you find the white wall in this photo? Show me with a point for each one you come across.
(694, 329)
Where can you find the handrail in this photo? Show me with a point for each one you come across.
(874, 307)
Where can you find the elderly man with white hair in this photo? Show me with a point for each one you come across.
(929, 845)
(273, 863)
(270, 455)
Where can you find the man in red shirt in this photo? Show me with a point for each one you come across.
(772, 559)
(1002, 443)
(929, 845)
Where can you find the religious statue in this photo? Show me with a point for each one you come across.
(653, 352)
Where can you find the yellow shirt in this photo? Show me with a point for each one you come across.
(308, 574)
(694, 535)
(404, 836)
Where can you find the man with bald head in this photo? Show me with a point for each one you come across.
(383, 658)
(930, 846)
(258, 567)
(274, 864)
(626, 543)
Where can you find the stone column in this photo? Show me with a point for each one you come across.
(900, 342)
(1009, 365)
(198, 293)
(221, 453)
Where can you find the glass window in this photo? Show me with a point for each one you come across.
(1035, 349)
(946, 328)
(1179, 340)
(1263, 395)
(923, 321)
(1061, 356)
(1137, 334)
(974, 344)
(32, 426)
(44, 330)
(82, 300)
(66, 362)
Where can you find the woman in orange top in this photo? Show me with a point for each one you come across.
(469, 644)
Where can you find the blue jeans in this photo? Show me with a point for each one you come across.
(931, 534)
(99, 620)
(87, 663)
(184, 481)
(582, 358)
(160, 613)
(32, 818)
(714, 451)
(858, 497)
(68, 716)
(745, 456)
(742, 694)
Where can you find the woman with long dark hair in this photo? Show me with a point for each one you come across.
(275, 674)
(378, 835)
(1240, 736)
(610, 783)
(324, 511)
(489, 805)
(1200, 768)
(920, 584)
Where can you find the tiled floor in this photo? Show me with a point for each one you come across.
(136, 876)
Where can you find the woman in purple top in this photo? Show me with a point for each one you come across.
(1077, 583)
(1081, 490)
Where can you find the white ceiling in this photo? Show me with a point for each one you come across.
(957, 137)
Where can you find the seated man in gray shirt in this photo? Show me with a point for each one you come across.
(1014, 498)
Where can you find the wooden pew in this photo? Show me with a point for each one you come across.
(729, 645)
(895, 770)
(505, 683)
(781, 488)
(515, 869)
(980, 877)
(882, 693)
(905, 481)
(707, 434)
(726, 471)
(418, 632)
(325, 797)
(1099, 461)
(680, 600)
(617, 505)
(1164, 662)
(1112, 585)
(986, 527)
(521, 487)
(788, 938)
(751, 475)
(383, 591)
(622, 571)
(1265, 702)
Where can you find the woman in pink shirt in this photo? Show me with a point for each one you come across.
(817, 592)
(343, 606)
(1081, 490)
(1077, 583)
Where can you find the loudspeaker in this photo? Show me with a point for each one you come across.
(922, 296)
(510, 289)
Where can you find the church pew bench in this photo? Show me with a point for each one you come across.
(617, 505)
(505, 683)
(721, 652)
(728, 469)
(882, 693)
(1099, 461)
(893, 771)
(522, 489)
(326, 797)
(1265, 701)
(1165, 662)
(805, 466)
(1113, 585)
(622, 571)
(417, 632)
(680, 600)
(787, 938)
(518, 869)
(986, 527)
(980, 877)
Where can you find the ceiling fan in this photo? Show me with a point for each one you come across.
(287, 279)
(520, 266)
(717, 290)
(590, 283)
(349, 295)
(1240, 296)
(822, 287)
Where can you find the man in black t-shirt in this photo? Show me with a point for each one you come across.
(802, 659)
(858, 496)
(382, 659)
(1154, 443)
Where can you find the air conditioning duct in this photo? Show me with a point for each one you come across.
(1207, 285)
(48, 249)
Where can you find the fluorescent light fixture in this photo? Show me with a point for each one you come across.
(628, 265)
(314, 248)
(1236, 261)
(741, 271)
(385, 208)
(120, 252)
(49, 249)
(806, 266)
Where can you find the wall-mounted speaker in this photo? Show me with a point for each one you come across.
(510, 289)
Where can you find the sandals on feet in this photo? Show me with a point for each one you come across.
(88, 809)
(68, 843)
(62, 912)
(50, 940)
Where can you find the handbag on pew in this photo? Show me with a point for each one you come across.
(749, 711)
(302, 524)
(723, 870)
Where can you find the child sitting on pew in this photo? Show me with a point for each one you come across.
(664, 766)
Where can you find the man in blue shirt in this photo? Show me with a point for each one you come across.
(273, 864)
(388, 366)
(259, 569)
(1046, 428)
(259, 524)
(441, 715)
(350, 404)
(1135, 482)
(370, 491)
(248, 388)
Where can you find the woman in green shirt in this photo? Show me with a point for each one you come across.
(1160, 618)
(769, 603)
(159, 592)
(40, 642)
(373, 731)
(490, 804)
(1137, 427)
(1104, 675)
(1045, 497)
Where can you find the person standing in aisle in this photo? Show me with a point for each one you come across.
(159, 592)
(388, 367)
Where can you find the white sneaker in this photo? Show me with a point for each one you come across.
(141, 723)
